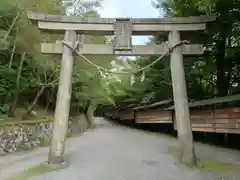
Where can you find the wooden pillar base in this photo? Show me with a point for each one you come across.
(56, 159)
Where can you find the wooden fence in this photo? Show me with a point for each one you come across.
(226, 120)
(206, 116)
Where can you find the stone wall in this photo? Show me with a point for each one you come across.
(25, 135)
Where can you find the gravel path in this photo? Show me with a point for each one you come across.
(112, 152)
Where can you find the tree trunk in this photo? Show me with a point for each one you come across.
(14, 104)
(47, 106)
(31, 107)
(90, 115)
(12, 55)
(49, 97)
(223, 67)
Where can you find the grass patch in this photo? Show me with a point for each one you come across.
(17, 122)
(173, 151)
(34, 171)
(159, 134)
(207, 164)
(38, 170)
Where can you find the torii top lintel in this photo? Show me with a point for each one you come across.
(106, 26)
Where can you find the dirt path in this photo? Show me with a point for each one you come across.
(113, 152)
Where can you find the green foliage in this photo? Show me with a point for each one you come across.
(218, 68)
(78, 8)
(39, 73)
(34, 171)
(214, 74)
(20, 84)
(7, 80)
(208, 164)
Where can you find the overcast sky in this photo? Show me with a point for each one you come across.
(129, 8)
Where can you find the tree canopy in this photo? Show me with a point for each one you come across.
(29, 78)
(217, 72)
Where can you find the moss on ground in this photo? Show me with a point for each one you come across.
(208, 164)
(160, 134)
(34, 171)
(38, 170)
(17, 122)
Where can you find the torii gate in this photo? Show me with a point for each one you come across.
(123, 29)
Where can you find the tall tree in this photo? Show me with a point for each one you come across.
(223, 63)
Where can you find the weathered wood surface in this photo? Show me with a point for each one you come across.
(225, 120)
(211, 101)
(153, 113)
(126, 114)
(105, 26)
(107, 49)
(184, 130)
(154, 105)
(115, 115)
(63, 102)
(206, 119)
(123, 35)
(95, 20)
(157, 115)
(108, 29)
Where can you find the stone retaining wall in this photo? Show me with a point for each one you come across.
(25, 135)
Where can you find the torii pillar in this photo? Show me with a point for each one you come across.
(185, 136)
(60, 128)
